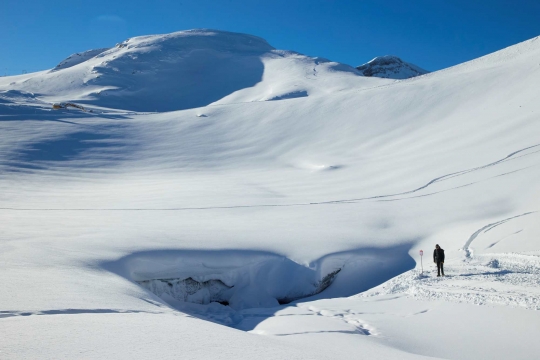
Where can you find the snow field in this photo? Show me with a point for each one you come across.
(492, 279)
(294, 169)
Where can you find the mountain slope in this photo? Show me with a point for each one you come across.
(78, 58)
(183, 70)
(269, 197)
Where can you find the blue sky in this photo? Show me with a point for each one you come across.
(434, 34)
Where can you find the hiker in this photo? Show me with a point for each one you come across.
(438, 258)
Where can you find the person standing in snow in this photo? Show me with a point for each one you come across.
(438, 258)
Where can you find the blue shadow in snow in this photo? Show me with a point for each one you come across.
(186, 81)
(65, 148)
(72, 146)
(360, 270)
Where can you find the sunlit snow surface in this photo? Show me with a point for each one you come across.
(212, 156)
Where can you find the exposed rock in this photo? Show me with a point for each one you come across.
(390, 67)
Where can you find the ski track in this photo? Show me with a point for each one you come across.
(511, 156)
(507, 236)
(447, 176)
(6, 314)
(485, 229)
(509, 279)
(505, 279)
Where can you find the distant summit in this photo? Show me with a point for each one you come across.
(390, 67)
(183, 70)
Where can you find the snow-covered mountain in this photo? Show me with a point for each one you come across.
(390, 67)
(183, 70)
(78, 58)
(291, 204)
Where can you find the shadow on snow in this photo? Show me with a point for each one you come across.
(254, 280)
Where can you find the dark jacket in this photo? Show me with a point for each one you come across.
(438, 255)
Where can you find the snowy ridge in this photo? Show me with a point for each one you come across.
(78, 58)
(182, 70)
(390, 67)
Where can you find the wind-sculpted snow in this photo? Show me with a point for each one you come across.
(182, 70)
(224, 286)
(15, 102)
(243, 278)
(78, 58)
(150, 230)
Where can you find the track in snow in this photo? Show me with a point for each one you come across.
(386, 197)
(485, 229)
(490, 279)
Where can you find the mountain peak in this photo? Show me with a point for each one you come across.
(390, 67)
(187, 40)
(184, 70)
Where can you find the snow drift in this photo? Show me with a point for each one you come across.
(255, 279)
(248, 202)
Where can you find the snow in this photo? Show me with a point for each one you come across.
(183, 70)
(78, 58)
(241, 279)
(276, 170)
